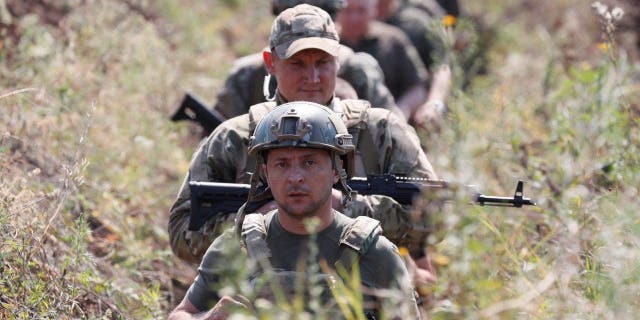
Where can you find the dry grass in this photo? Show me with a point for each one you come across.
(89, 163)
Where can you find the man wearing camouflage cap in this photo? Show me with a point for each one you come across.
(303, 58)
(245, 85)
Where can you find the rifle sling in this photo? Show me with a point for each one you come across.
(355, 112)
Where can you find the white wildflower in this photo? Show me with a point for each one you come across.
(143, 141)
(617, 13)
(600, 8)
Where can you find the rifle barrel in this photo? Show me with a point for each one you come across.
(209, 199)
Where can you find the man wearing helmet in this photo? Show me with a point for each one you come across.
(300, 149)
(303, 58)
(245, 85)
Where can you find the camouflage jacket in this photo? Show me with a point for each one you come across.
(244, 85)
(385, 143)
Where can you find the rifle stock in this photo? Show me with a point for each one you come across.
(193, 109)
(209, 199)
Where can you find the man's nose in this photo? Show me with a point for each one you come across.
(313, 74)
(296, 174)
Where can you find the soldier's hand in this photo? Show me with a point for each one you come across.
(423, 274)
(228, 305)
(429, 116)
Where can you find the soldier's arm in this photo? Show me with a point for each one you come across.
(404, 153)
(219, 158)
(414, 76)
(391, 273)
(202, 300)
(430, 114)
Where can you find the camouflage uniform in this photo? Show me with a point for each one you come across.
(244, 85)
(385, 144)
(398, 58)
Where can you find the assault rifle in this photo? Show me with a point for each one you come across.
(208, 199)
(193, 109)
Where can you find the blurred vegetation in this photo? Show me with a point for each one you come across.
(90, 164)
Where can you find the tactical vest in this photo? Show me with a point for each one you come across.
(354, 242)
(355, 117)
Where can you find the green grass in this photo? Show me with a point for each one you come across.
(90, 164)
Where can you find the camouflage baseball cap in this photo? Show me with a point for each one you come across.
(330, 6)
(303, 27)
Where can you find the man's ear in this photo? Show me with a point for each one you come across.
(268, 58)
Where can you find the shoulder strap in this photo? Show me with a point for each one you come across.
(257, 112)
(356, 119)
(354, 111)
(357, 239)
(254, 235)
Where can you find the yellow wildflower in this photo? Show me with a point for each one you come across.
(604, 46)
(449, 20)
(404, 252)
(439, 259)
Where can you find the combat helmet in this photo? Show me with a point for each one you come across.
(330, 6)
(306, 125)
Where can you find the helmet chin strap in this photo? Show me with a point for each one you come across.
(346, 190)
(265, 89)
(258, 192)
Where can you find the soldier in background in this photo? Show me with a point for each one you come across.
(472, 36)
(405, 74)
(418, 25)
(423, 31)
(436, 8)
(384, 142)
(245, 85)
